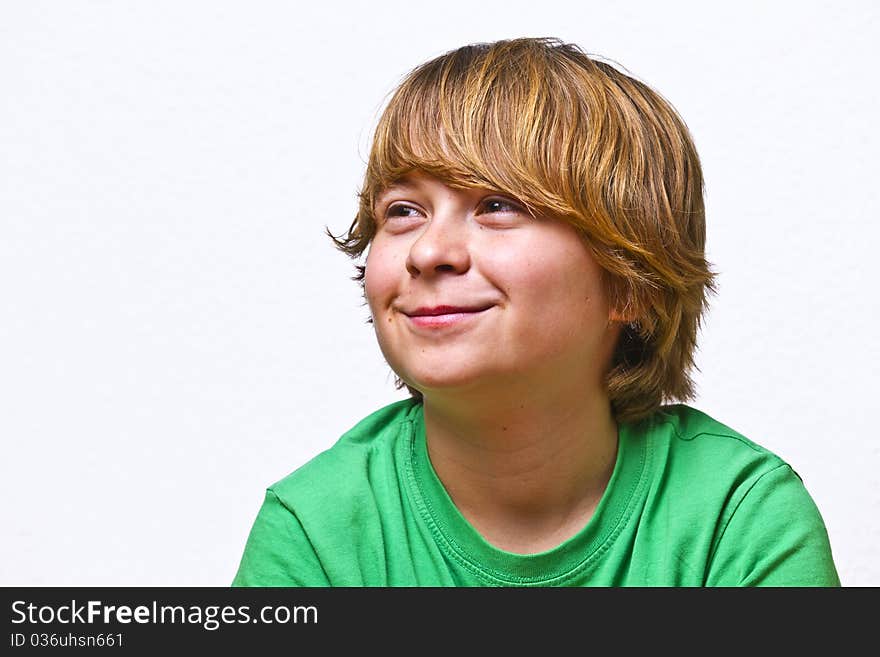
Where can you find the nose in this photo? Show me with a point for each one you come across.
(442, 246)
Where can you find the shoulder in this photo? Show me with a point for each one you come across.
(371, 442)
(701, 467)
(687, 423)
(705, 461)
(327, 507)
(688, 439)
(763, 526)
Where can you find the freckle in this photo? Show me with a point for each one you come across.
(504, 428)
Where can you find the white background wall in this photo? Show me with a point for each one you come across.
(176, 332)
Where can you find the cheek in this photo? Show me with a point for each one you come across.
(559, 291)
(378, 277)
(548, 277)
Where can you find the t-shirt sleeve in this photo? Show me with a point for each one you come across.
(278, 551)
(775, 536)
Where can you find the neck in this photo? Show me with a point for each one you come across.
(526, 470)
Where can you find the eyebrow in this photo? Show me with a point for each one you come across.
(401, 184)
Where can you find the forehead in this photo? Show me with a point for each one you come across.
(418, 180)
(411, 182)
(408, 182)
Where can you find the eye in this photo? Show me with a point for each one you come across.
(399, 217)
(500, 213)
(400, 211)
(496, 205)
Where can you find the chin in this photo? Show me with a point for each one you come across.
(440, 382)
(435, 379)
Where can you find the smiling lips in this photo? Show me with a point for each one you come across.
(442, 316)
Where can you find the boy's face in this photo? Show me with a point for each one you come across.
(467, 289)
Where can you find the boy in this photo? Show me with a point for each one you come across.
(536, 276)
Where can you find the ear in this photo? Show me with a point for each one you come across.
(626, 305)
(625, 316)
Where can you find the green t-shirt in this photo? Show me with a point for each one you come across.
(690, 502)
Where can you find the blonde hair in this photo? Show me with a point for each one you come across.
(575, 138)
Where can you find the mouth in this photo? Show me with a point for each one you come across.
(438, 317)
(437, 311)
